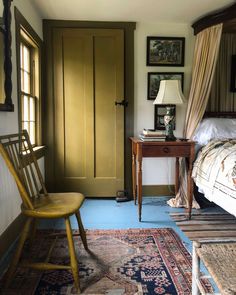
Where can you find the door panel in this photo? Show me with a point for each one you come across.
(89, 128)
(74, 108)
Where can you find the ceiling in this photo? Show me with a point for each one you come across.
(178, 11)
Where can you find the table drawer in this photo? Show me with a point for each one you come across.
(166, 151)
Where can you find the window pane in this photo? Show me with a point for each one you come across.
(25, 126)
(26, 59)
(22, 79)
(26, 82)
(32, 133)
(21, 55)
(26, 109)
(32, 109)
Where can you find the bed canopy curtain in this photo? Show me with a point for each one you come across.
(222, 78)
(204, 63)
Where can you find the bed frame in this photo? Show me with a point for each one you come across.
(225, 16)
(220, 115)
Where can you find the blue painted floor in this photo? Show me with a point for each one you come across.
(108, 214)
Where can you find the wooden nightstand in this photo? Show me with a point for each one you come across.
(150, 149)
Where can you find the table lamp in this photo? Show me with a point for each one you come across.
(169, 93)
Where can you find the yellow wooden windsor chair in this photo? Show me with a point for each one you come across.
(37, 203)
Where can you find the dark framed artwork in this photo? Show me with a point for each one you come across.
(6, 104)
(160, 111)
(233, 74)
(165, 51)
(155, 78)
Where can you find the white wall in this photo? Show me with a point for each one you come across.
(9, 198)
(159, 171)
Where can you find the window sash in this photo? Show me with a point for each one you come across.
(29, 102)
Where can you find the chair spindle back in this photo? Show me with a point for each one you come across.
(19, 156)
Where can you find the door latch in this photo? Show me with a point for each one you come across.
(122, 103)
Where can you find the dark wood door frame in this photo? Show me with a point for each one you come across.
(48, 128)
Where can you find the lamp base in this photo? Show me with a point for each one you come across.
(169, 120)
(170, 138)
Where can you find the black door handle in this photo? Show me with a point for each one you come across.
(122, 103)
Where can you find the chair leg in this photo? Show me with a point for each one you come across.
(81, 230)
(73, 260)
(18, 251)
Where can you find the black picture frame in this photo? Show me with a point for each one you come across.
(159, 113)
(154, 78)
(233, 74)
(165, 51)
(6, 104)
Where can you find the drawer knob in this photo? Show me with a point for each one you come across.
(166, 150)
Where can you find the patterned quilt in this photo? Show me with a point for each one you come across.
(214, 173)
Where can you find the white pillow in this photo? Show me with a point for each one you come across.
(215, 128)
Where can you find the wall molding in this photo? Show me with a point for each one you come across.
(158, 190)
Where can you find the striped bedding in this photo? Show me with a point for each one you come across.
(214, 173)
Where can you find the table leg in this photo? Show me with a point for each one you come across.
(176, 175)
(134, 174)
(139, 188)
(195, 269)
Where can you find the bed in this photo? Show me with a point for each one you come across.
(214, 170)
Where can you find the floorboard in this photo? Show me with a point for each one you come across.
(206, 225)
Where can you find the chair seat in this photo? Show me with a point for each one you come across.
(55, 205)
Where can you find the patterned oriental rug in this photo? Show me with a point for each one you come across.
(120, 262)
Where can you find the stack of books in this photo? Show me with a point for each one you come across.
(152, 135)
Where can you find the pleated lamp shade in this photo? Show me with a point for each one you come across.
(170, 92)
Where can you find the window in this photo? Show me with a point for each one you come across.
(29, 87)
(29, 47)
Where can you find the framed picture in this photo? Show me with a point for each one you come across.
(233, 74)
(160, 111)
(165, 51)
(154, 80)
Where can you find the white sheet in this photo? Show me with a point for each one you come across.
(214, 173)
(215, 128)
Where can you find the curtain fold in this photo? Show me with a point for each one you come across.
(221, 99)
(204, 63)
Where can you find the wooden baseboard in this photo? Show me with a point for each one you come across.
(148, 190)
(158, 190)
(9, 236)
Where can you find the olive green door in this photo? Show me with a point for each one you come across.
(89, 127)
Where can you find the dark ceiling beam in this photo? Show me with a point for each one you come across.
(224, 15)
